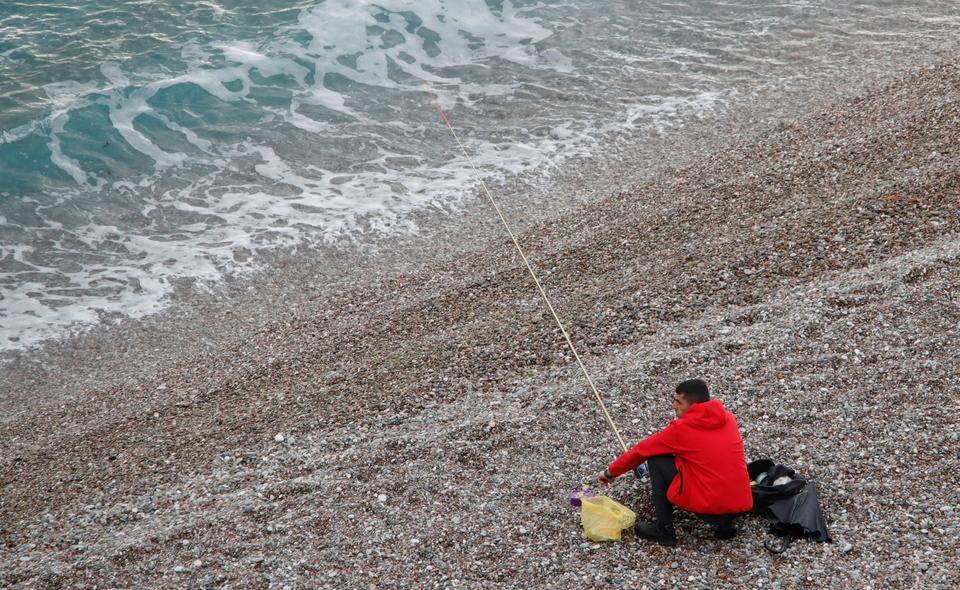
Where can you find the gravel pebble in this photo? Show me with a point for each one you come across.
(449, 388)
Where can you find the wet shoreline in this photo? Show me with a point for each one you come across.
(112, 352)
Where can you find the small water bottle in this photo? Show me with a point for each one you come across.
(641, 472)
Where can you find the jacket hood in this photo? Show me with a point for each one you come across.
(706, 415)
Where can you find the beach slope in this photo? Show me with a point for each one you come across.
(426, 429)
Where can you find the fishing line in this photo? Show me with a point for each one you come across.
(527, 263)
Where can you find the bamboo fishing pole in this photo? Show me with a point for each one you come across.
(526, 262)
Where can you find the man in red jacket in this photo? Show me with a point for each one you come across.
(696, 463)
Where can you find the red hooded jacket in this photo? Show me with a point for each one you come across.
(711, 471)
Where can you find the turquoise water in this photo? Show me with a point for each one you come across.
(144, 143)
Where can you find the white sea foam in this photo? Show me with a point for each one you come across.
(21, 131)
(124, 111)
(67, 164)
(251, 58)
(218, 10)
(662, 113)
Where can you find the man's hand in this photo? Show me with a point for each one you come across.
(604, 478)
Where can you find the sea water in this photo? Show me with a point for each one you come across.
(146, 143)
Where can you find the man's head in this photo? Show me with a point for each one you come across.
(689, 392)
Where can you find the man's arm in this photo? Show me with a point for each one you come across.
(658, 443)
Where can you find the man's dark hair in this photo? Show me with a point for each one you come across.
(694, 390)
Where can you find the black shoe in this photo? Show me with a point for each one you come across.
(665, 536)
(725, 531)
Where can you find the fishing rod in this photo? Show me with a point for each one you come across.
(523, 256)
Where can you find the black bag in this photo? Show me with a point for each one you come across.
(792, 507)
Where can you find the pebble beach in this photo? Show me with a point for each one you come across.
(425, 427)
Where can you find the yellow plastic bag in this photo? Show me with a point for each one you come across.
(604, 519)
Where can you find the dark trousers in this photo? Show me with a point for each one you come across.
(662, 470)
